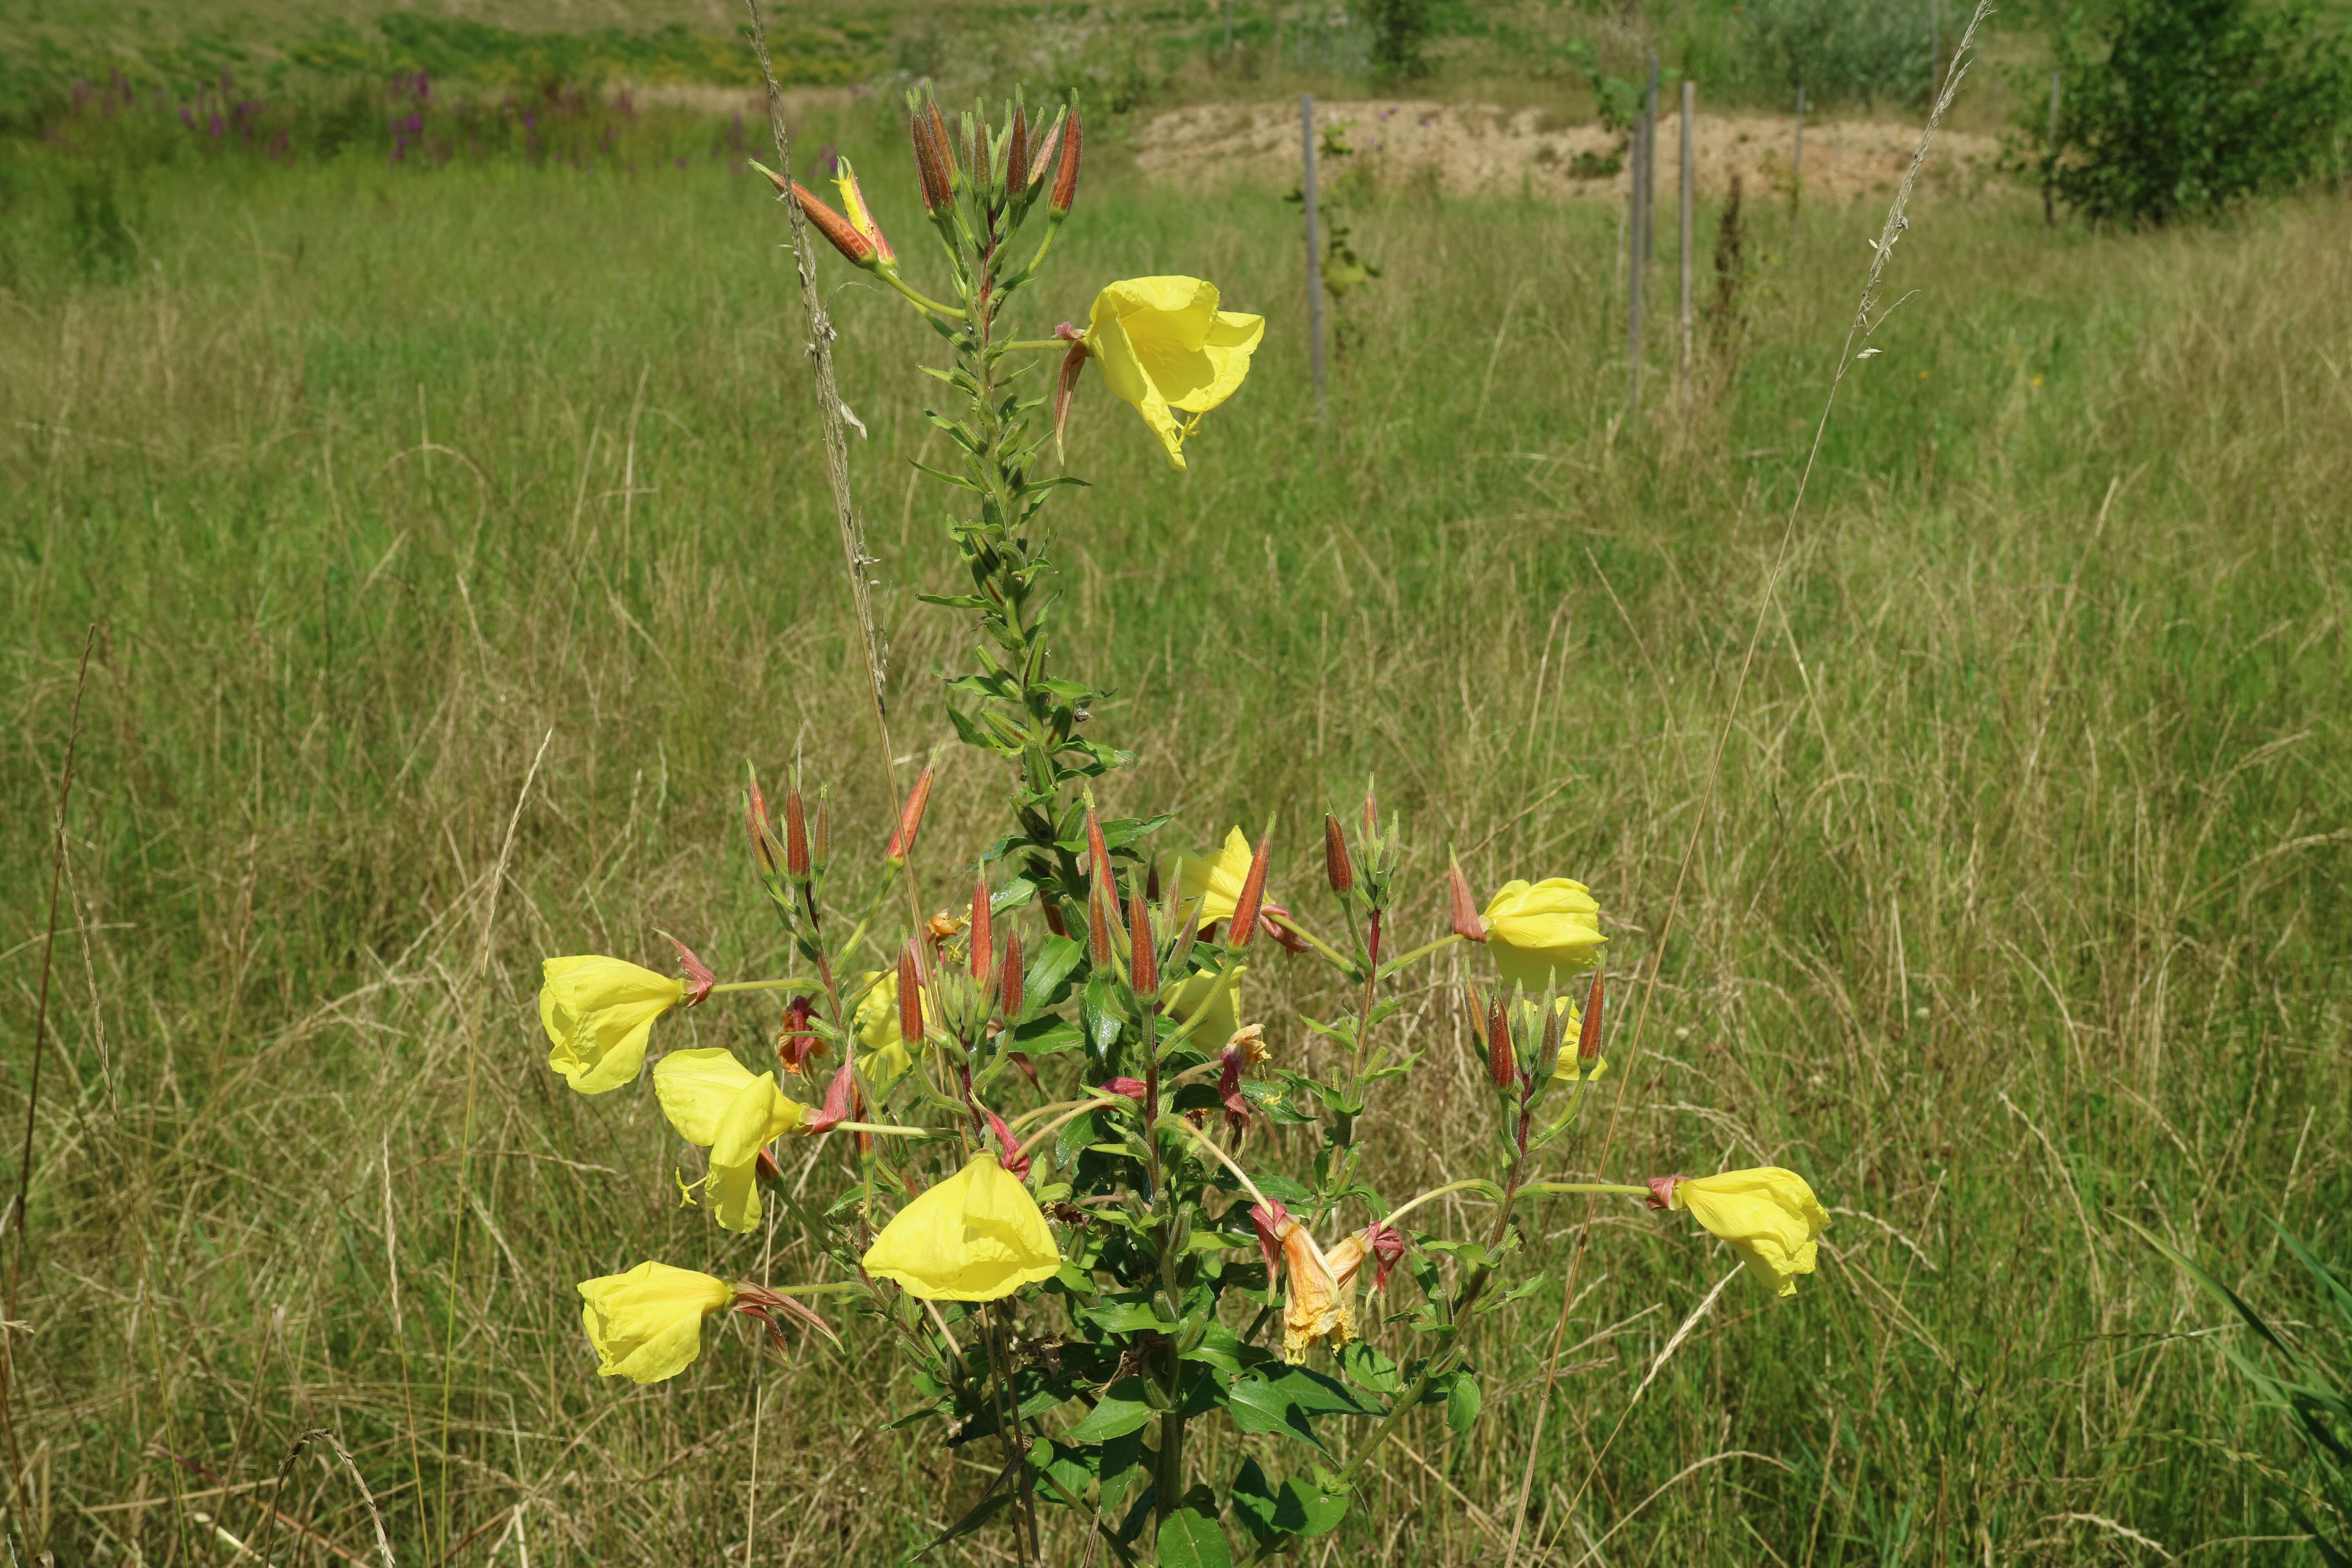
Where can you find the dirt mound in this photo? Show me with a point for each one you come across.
(1500, 150)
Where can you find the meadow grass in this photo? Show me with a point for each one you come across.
(2021, 907)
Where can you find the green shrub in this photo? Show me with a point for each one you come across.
(1400, 30)
(2182, 106)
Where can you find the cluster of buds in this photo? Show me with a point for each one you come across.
(1001, 169)
(1366, 878)
(968, 997)
(1523, 1036)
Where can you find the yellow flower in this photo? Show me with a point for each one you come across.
(714, 1102)
(1769, 1216)
(646, 1324)
(1544, 933)
(886, 1060)
(1164, 346)
(976, 1237)
(1214, 882)
(1224, 1020)
(599, 1012)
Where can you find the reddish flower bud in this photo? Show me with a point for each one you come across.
(1132, 1088)
(1008, 977)
(1372, 812)
(1253, 896)
(796, 846)
(911, 819)
(1016, 148)
(1588, 1042)
(1098, 852)
(910, 996)
(944, 142)
(796, 1043)
(1467, 921)
(838, 1099)
(855, 247)
(1338, 869)
(1502, 1062)
(1098, 947)
(1011, 1159)
(698, 978)
(1386, 1246)
(984, 943)
(1068, 383)
(1065, 180)
(1273, 1222)
(764, 838)
(1142, 954)
(821, 848)
(1661, 1191)
(928, 170)
(1042, 158)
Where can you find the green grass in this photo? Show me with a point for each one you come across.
(2021, 907)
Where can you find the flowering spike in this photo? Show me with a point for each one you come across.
(1467, 921)
(983, 944)
(698, 978)
(1143, 954)
(1588, 1041)
(1066, 179)
(910, 994)
(1008, 977)
(1252, 897)
(796, 845)
(855, 247)
(911, 819)
(1338, 869)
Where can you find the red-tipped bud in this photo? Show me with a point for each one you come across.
(1372, 812)
(929, 169)
(1661, 1191)
(911, 995)
(1100, 917)
(698, 978)
(1008, 977)
(1012, 1158)
(943, 142)
(838, 1099)
(1273, 1222)
(796, 845)
(911, 819)
(1130, 1087)
(1142, 954)
(1387, 1245)
(821, 848)
(1467, 921)
(1588, 1041)
(1098, 852)
(795, 1042)
(855, 247)
(1338, 869)
(1042, 158)
(1502, 1062)
(982, 928)
(1277, 923)
(764, 838)
(1066, 179)
(1067, 383)
(1253, 896)
(1016, 148)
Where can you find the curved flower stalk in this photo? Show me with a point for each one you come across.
(1050, 1110)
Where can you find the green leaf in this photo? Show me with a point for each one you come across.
(1368, 1368)
(1293, 1509)
(1189, 1539)
(1462, 1401)
(1220, 1347)
(1127, 1317)
(1046, 1035)
(1122, 1409)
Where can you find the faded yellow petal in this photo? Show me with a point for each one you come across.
(1315, 1304)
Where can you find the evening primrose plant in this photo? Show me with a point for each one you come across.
(1114, 1214)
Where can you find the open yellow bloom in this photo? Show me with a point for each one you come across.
(1212, 883)
(1769, 1216)
(646, 1324)
(886, 1060)
(599, 1011)
(976, 1237)
(1164, 346)
(1545, 934)
(1224, 1020)
(714, 1102)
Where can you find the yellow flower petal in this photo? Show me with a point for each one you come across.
(696, 1087)
(759, 1114)
(1216, 879)
(1164, 345)
(1768, 1214)
(1315, 1304)
(599, 1012)
(1543, 934)
(1233, 338)
(646, 1324)
(886, 1060)
(976, 1237)
(1224, 1020)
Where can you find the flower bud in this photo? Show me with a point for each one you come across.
(1338, 869)
(860, 217)
(983, 944)
(1371, 813)
(944, 143)
(1066, 179)
(821, 848)
(698, 978)
(764, 838)
(910, 996)
(855, 247)
(1008, 977)
(1098, 852)
(928, 170)
(1252, 897)
(1502, 1063)
(1555, 1024)
(1143, 954)
(1467, 921)
(796, 846)
(1099, 945)
(911, 819)
(1016, 148)
(1042, 158)
(1588, 1041)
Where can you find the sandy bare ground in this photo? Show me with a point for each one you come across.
(1500, 150)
